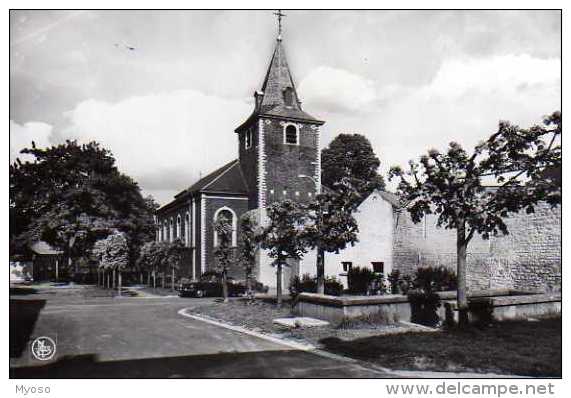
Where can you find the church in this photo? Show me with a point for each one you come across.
(279, 158)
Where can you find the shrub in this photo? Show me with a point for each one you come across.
(424, 306)
(482, 311)
(308, 284)
(394, 280)
(359, 280)
(430, 279)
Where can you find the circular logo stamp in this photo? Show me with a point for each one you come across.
(43, 348)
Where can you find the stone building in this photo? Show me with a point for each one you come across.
(528, 258)
(278, 146)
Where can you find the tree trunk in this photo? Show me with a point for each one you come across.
(98, 277)
(320, 271)
(462, 298)
(148, 278)
(113, 278)
(119, 283)
(249, 283)
(108, 280)
(154, 280)
(172, 279)
(141, 277)
(224, 286)
(163, 280)
(279, 283)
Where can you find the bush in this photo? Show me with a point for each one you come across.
(423, 307)
(430, 279)
(394, 280)
(359, 280)
(308, 284)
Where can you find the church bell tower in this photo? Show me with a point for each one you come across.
(279, 142)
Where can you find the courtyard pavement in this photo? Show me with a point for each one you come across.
(146, 337)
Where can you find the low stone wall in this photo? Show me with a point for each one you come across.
(507, 304)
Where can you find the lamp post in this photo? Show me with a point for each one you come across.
(320, 252)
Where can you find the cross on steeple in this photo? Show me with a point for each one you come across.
(279, 14)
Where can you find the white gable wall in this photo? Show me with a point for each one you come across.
(375, 220)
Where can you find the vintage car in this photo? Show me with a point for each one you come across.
(210, 285)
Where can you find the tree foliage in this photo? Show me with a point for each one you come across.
(351, 156)
(72, 195)
(112, 252)
(248, 244)
(223, 252)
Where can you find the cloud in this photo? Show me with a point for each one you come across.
(463, 103)
(337, 90)
(21, 136)
(164, 141)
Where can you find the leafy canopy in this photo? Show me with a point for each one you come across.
(71, 195)
(331, 225)
(351, 156)
(282, 235)
(504, 174)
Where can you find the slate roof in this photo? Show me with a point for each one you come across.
(227, 179)
(277, 79)
(392, 198)
(43, 248)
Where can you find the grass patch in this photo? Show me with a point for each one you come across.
(511, 347)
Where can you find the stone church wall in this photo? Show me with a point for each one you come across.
(289, 161)
(528, 258)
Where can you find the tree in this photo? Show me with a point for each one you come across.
(283, 238)
(351, 156)
(173, 257)
(151, 258)
(71, 195)
(223, 252)
(113, 255)
(247, 247)
(331, 225)
(452, 185)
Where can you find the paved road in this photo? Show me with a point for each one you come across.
(147, 338)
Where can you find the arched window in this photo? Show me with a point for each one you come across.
(178, 227)
(187, 229)
(291, 134)
(165, 231)
(230, 216)
(171, 231)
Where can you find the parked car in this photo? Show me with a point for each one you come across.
(210, 285)
(211, 288)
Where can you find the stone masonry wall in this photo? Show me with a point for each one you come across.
(528, 258)
(286, 162)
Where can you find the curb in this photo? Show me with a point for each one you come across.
(366, 365)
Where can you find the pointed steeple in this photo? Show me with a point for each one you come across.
(278, 87)
(278, 97)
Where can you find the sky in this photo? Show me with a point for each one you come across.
(164, 90)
